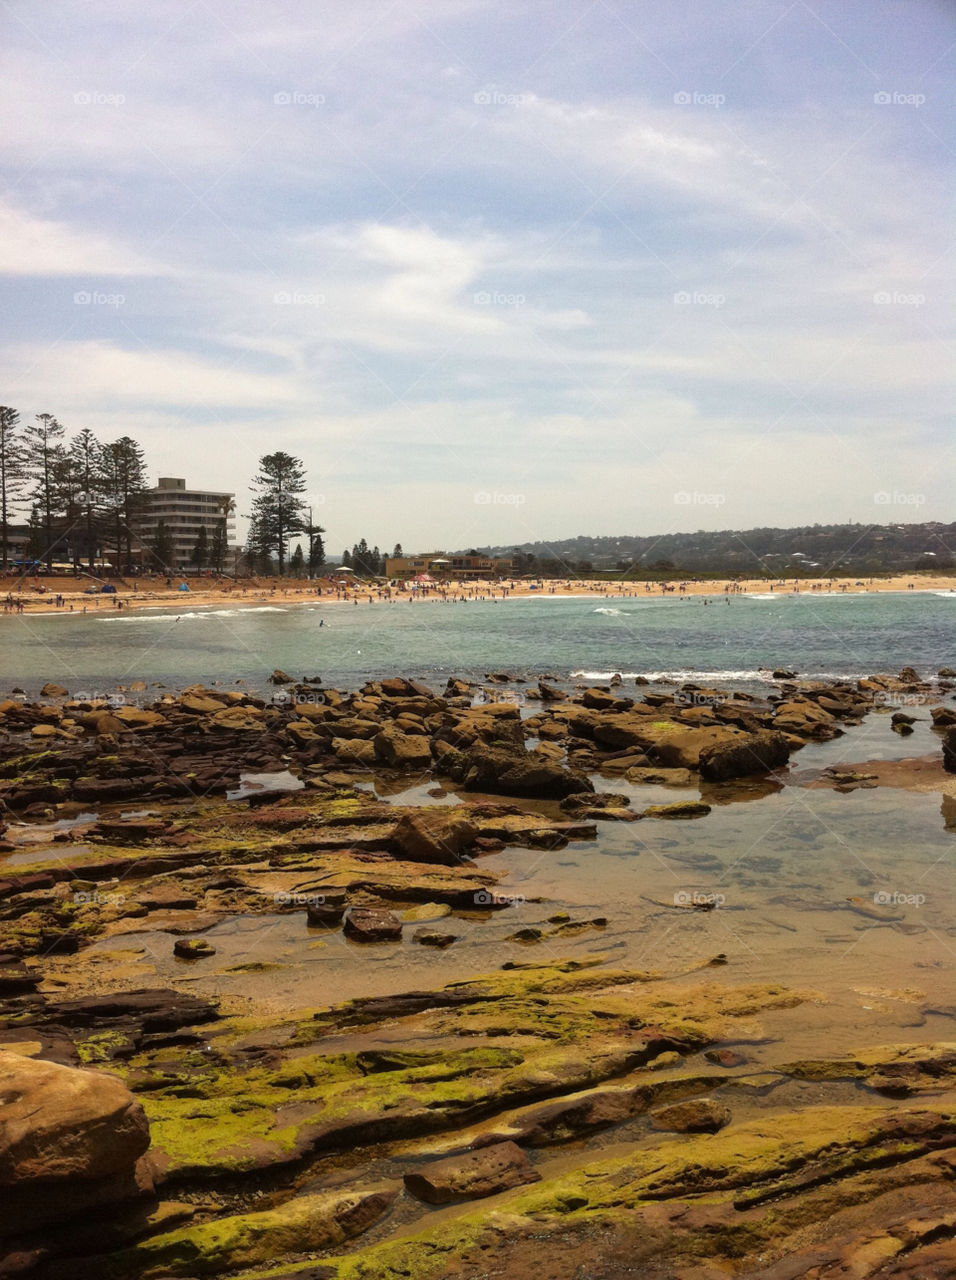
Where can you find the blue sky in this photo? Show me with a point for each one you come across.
(496, 272)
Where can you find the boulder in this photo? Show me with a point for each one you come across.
(138, 718)
(301, 1225)
(949, 751)
(69, 1139)
(517, 772)
(439, 835)
(325, 909)
(369, 924)
(682, 809)
(472, 1175)
(805, 719)
(402, 750)
(355, 750)
(700, 1115)
(660, 777)
(193, 948)
(757, 753)
(152, 1010)
(51, 690)
(240, 719)
(434, 938)
(943, 717)
(200, 704)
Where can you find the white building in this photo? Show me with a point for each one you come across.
(184, 512)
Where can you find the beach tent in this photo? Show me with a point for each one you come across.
(424, 577)
(184, 586)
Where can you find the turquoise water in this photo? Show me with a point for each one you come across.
(729, 641)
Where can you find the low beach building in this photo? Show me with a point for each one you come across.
(437, 564)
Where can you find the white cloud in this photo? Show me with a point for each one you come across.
(31, 246)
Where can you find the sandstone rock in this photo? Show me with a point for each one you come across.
(433, 938)
(129, 830)
(700, 1115)
(152, 1010)
(168, 897)
(805, 719)
(54, 691)
(949, 751)
(193, 948)
(468, 1177)
(440, 835)
(280, 677)
(138, 718)
(660, 777)
(402, 750)
(725, 1057)
(62, 1123)
(598, 700)
(355, 750)
(426, 911)
(239, 719)
(757, 753)
(368, 924)
(200, 704)
(16, 979)
(519, 773)
(684, 809)
(304, 1224)
(326, 909)
(943, 717)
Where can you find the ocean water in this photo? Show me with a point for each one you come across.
(707, 639)
(788, 863)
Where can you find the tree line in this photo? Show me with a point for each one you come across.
(79, 491)
(74, 490)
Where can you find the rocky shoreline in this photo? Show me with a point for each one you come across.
(612, 1119)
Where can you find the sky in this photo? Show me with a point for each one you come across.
(495, 272)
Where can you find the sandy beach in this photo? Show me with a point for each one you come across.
(70, 595)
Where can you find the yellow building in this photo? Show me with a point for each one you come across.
(437, 565)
